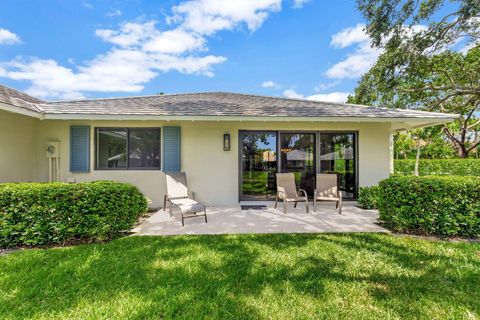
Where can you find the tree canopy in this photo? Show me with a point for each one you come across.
(419, 68)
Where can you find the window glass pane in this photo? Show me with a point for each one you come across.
(144, 148)
(337, 155)
(112, 148)
(259, 165)
(297, 156)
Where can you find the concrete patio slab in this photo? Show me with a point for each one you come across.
(233, 220)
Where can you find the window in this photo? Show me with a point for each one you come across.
(128, 148)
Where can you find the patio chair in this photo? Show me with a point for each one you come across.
(179, 196)
(287, 191)
(327, 190)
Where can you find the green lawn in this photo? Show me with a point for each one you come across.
(245, 277)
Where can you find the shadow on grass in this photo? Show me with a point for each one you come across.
(245, 276)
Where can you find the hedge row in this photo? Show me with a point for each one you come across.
(368, 197)
(59, 213)
(460, 167)
(440, 205)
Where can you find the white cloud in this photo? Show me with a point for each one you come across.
(363, 56)
(299, 3)
(340, 97)
(325, 86)
(349, 36)
(207, 16)
(114, 13)
(175, 41)
(129, 34)
(8, 37)
(269, 84)
(140, 51)
(292, 94)
(357, 62)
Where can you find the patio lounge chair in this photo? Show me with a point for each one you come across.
(327, 190)
(179, 196)
(287, 191)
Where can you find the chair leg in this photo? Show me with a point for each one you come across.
(284, 206)
(276, 200)
(339, 203)
(183, 223)
(170, 209)
(205, 212)
(306, 205)
(164, 202)
(295, 205)
(315, 204)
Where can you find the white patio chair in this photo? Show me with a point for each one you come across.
(287, 191)
(179, 196)
(327, 190)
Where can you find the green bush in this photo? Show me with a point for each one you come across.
(368, 197)
(60, 213)
(439, 205)
(426, 167)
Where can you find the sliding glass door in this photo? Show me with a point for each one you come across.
(258, 165)
(303, 153)
(297, 153)
(338, 155)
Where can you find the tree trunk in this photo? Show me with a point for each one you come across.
(462, 151)
(417, 159)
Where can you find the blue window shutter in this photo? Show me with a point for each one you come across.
(79, 149)
(171, 149)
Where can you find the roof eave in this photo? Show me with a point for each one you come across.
(20, 110)
(414, 120)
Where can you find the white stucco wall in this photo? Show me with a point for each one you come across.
(17, 155)
(212, 172)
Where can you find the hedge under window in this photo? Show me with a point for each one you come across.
(128, 148)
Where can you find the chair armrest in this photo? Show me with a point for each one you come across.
(304, 192)
(339, 194)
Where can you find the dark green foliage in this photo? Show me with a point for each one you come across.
(368, 197)
(440, 205)
(459, 167)
(58, 213)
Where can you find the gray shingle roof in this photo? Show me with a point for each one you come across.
(210, 104)
(18, 99)
(225, 104)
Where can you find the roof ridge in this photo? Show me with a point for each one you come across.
(121, 98)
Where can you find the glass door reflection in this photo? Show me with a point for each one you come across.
(337, 155)
(258, 165)
(297, 152)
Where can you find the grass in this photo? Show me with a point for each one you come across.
(355, 276)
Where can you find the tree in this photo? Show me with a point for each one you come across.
(440, 23)
(446, 82)
(417, 70)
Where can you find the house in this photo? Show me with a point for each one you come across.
(220, 140)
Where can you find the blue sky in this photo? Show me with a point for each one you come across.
(84, 49)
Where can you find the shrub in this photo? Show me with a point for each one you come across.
(460, 167)
(59, 213)
(368, 197)
(440, 205)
